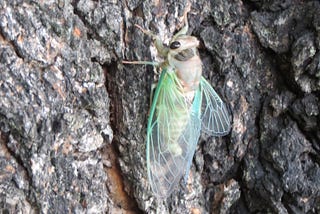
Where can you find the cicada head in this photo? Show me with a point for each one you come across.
(183, 47)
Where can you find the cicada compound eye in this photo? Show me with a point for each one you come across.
(175, 45)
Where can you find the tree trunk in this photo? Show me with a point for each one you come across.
(73, 117)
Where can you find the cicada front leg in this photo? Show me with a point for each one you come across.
(162, 50)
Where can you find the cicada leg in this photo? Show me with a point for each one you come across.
(156, 64)
(162, 50)
(184, 29)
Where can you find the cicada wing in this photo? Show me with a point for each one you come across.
(214, 116)
(193, 128)
(173, 129)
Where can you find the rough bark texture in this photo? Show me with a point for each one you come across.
(73, 118)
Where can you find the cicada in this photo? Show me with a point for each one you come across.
(183, 105)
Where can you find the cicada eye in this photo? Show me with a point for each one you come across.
(175, 45)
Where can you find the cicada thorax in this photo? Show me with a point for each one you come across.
(186, 62)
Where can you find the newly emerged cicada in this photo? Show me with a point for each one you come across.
(184, 104)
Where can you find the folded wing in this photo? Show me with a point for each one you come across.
(214, 114)
(173, 132)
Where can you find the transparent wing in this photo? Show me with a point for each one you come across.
(172, 136)
(215, 117)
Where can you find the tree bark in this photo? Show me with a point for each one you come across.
(73, 117)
